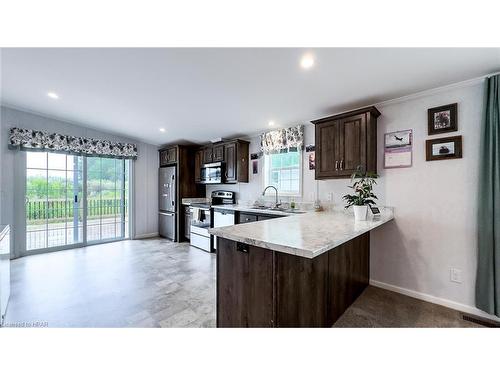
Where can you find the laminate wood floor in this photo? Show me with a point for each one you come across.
(157, 283)
(140, 283)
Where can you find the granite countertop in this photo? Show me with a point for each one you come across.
(189, 201)
(307, 235)
(265, 211)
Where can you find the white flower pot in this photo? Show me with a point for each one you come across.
(360, 213)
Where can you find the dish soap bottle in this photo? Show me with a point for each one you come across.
(292, 203)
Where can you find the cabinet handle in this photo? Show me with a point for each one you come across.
(336, 165)
(243, 247)
(342, 164)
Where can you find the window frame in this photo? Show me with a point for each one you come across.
(265, 172)
(127, 224)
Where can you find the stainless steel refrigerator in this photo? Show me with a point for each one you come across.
(168, 203)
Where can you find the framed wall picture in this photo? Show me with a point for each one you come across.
(398, 149)
(255, 166)
(442, 119)
(443, 148)
(312, 161)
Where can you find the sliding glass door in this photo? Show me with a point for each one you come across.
(107, 192)
(74, 200)
(54, 207)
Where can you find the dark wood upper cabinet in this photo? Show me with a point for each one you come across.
(345, 142)
(234, 155)
(218, 153)
(231, 162)
(236, 158)
(207, 155)
(213, 154)
(168, 156)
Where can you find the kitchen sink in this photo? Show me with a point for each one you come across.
(279, 209)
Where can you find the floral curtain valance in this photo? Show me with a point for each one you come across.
(26, 139)
(282, 140)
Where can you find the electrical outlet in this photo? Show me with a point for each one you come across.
(330, 197)
(456, 275)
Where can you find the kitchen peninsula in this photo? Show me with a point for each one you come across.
(295, 271)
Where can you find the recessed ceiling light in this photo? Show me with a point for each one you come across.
(271, 123)
(52, 95)
(162, 130)
(307, 61)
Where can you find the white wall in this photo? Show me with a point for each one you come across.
(145, 211)
(435, 202)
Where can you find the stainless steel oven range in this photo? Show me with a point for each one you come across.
(201, 218)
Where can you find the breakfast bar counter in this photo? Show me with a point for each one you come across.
(306, 235)
(296, 271)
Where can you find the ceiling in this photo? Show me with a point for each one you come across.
(198, 94)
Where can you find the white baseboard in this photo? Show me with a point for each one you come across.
(437, 300)
(146, 235)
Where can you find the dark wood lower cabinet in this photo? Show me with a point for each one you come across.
(301, 291)
(257, 287)
(349, 274)
(244, 285)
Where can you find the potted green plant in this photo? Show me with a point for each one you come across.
(363, 197)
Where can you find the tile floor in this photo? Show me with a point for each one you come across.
(157, 283)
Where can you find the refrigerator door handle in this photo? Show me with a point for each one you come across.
(172, 193)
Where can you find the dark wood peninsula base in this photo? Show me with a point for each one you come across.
(258, 287)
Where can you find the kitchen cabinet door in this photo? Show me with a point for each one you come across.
(163, 158)
(168, 156)
(231, 159)
(352, 144)
(218, 153)
(207, 155)
(349, 274)
(172, 155)
(328, 150)
(346, 142)
(244, 285)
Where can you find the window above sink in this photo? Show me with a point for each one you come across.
(284, 172)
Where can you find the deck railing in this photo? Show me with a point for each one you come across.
(54, 209)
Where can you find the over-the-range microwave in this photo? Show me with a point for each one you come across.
(212, 173)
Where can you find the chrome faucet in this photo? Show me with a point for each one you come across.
(276, 205)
